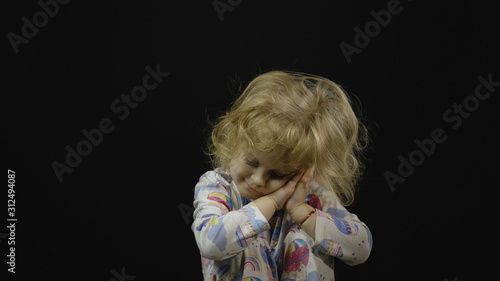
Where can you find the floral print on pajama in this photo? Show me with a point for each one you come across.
(236, 241)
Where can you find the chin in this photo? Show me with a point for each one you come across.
(249, 195)
(252, 197)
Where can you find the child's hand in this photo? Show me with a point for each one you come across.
(298, 196)
(280, 196)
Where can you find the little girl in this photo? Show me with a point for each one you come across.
(286, 159)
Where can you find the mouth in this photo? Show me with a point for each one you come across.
(251, 188)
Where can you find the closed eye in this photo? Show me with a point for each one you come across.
(278, 175)
(274, 174)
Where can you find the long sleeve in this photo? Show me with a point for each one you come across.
(338, 232)
(221, 228)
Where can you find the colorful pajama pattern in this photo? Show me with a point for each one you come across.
(236, 241)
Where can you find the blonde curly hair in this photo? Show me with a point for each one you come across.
(302, 119)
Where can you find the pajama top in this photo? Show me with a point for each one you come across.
(236, 241)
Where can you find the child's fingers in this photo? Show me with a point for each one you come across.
(308, 174)
(296, 178)
(299, 175)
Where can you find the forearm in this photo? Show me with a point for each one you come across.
(221, 236)
(345, 237)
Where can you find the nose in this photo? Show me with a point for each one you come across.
(259, 178)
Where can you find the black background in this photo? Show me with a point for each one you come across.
(125, 206)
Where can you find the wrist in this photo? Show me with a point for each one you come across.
(275, 204)
(300, 212)
(305, 217)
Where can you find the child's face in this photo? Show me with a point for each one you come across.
(256, 175)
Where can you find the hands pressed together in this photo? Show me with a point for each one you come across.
(292, 197)
(294, 192)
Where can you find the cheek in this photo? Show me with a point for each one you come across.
(238, 171)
